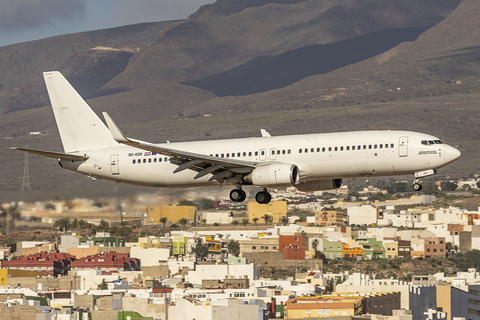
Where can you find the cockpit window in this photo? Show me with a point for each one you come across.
(431, 142)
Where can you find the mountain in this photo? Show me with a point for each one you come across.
(287, 66)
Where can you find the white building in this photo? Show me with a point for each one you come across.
(365, 214)
(220, 272)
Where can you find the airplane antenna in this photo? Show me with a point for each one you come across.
(26, 176)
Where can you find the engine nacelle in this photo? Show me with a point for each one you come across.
(274, 175)
(319, 185)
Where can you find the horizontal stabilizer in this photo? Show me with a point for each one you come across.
(55, 155)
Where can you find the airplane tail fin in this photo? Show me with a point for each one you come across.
(80, 128)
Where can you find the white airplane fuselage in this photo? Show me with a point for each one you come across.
(311, 162)
(318, 156)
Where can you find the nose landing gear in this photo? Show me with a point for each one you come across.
(417, 185)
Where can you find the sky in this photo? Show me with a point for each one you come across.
(26, 20)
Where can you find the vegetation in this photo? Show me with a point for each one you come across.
(233, 247)
(200, 250)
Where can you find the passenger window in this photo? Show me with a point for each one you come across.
(348, 148)
(359, 147)
(353, 147)
(283, 151)
(144, 160)
(166, 159)
(312, 150)
(160, 160)
(306, 150)
(244, 154)
(323, 149)
(364, 147)
(341, 148)
(149, 160)
(256, 153)
(238, 154)
(329, 148)
(369, 146)
(216, 155)
(386, 145)
(228, 155)
(233, 155)
(289, 151)
(222, 155)
(133, 161)
(381, 146)
(336, 148)
(299, 150)
(375, 147)
(391, 145)
(273, 152)
(250, 154)
(263, 152)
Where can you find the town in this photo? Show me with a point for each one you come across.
(304, 255)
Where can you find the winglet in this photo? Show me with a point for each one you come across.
(114, 130)
(265, 133)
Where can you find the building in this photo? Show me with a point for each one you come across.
(172, 213)
(300, 308)
(50, 264)
(108, 263)
(365, 214)
(330, 218)
(351, 252)
(179, 246)
(256, 244)
(292, 247)
(435, 247)
(7, 274)
(277, 210)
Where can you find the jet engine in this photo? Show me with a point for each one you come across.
(319, 185)
(274, 175)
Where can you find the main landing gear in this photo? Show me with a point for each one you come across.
(262, 197)
(238, 195)
(417, 185)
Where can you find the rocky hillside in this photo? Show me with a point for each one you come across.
(289, 66)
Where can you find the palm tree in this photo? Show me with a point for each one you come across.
(315, 244)
(255, 220)
(164, 221)
(244, 221)
(235, 222)
(266, 218)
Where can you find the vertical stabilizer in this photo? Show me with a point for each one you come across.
(80, 128)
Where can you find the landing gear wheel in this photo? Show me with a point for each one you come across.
(238, 195)
(263, 197)
(417, 186)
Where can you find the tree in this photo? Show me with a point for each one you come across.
(164, 221)
(183, 222)
(233, 247)
(102, 226)
(235, 222)
(103, 285)
(266, 218)
(448, 186)
(62, 224)
(200, 250)
(244, 222)
(255, 220)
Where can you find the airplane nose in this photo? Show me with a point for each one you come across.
(451, 154)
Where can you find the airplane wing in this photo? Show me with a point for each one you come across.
(221, 168)
(55, 155)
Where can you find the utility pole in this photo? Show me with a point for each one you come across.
(26, 176)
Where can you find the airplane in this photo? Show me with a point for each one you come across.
(310, 162)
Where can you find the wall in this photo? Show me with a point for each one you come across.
(155, 271)
(141, 305)
(17, 312)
